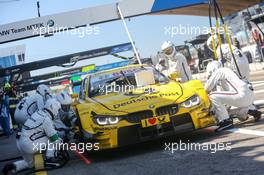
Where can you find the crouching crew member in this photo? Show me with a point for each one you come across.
(233, 92)
(37, 132)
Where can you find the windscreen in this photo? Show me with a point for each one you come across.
(122, 80)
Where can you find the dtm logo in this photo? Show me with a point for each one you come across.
(50, 23)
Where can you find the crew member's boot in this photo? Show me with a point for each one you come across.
(7, 168)
(225, 124)
(256, 114)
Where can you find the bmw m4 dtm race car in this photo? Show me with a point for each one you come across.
(136, 103)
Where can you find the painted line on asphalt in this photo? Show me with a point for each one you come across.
(257, 82)
(258, 91)
(39, 164)
(211, 129)
(83, 158)
(247, 131)
(258, 102)
(258, 85)
(238, 130)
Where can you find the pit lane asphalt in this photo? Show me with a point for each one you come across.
(245, 157)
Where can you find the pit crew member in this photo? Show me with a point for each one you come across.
(28, 105)
(38, 131)
(174, 62)
(242, 69)
(233, 92)
(66, 118)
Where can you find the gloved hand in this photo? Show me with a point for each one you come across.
(59, 140)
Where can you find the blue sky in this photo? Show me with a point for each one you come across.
(147, 31)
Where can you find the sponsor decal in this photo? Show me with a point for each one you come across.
(152, 121)
(20, 30)
(169, 94)
(155, 121)
(146, 98)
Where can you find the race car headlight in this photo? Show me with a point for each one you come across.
(106, 120)
(101, 120)
(113, 120)
(191, 102)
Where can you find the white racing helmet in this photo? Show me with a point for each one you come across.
(226, 51)
(53, 106)
(44, 91)
(212, 67)
(168, 48)
(210, 42)
(65, 100)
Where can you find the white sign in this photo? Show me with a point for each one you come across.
(42, 26)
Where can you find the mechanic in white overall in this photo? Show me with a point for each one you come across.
(233, 92)
(37, 133)
(66, 120)
(174, 62)
(241, 69)
(30, 104)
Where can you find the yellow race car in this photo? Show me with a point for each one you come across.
(137, 103)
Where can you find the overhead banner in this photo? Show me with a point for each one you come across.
(48, 25)
(31, 84)
(65, 59)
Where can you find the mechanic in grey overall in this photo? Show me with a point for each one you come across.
(174, 62)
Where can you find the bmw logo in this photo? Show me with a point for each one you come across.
(50, 23)
(151, 106)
